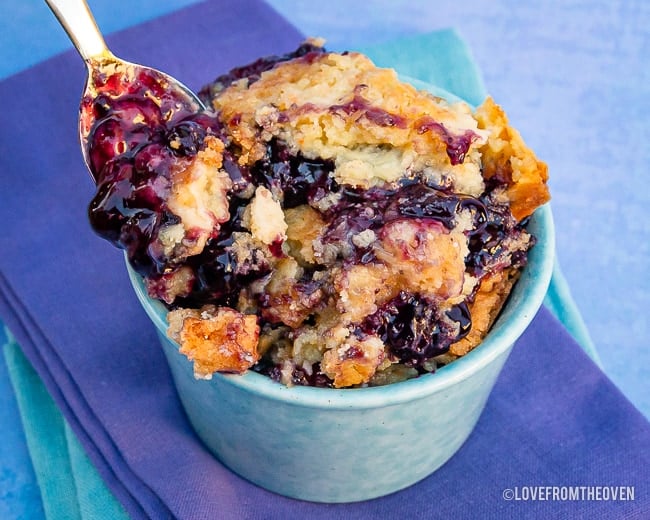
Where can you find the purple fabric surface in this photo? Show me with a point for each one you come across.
(553, 419)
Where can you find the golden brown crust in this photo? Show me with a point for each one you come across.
(304, 225)
(354, 362)
(492, 294)
(199, 198)
(360, 289)
(217, 339)
(284, 302)
(425, 258)
(506, 157)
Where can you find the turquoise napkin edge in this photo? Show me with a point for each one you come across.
(71, 487)
(419, 56)
(561, 304)
(93, 496)
(43, 426)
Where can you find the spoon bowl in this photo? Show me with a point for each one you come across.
(109, 77)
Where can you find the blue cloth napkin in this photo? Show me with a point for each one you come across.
(553, 419)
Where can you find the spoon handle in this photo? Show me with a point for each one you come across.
(77, 20)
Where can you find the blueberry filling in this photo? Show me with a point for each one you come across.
(415, 329)
(421, 201)
(457, 145)
(360, 210)
(142, 130)
(363, 108)
(218, 277)
(299, 180)
(488, 242)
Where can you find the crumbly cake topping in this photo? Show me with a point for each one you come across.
(217, 339)
(327, 224)
(341, 107)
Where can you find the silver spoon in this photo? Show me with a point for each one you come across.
(80, 25)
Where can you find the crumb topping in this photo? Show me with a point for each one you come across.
(265, 218)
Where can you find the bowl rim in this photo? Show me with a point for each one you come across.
(514, 318)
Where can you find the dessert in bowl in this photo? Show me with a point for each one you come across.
(346, 445)
(330, 247)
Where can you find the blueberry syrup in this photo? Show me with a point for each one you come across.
(361, 210)
(421, 201)
(355, 212)
(359, 105)
(487, 242)
(298, 179)
(457, 145)
(219, 278)
(142, 130)
(414, 329)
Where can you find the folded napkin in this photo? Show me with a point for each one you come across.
(553, 418)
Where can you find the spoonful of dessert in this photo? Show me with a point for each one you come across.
(124, 105)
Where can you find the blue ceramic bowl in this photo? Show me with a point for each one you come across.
(330, 445)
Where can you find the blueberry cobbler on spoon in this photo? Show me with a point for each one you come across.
(323, 223)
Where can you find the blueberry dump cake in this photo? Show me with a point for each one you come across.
(323, 223)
